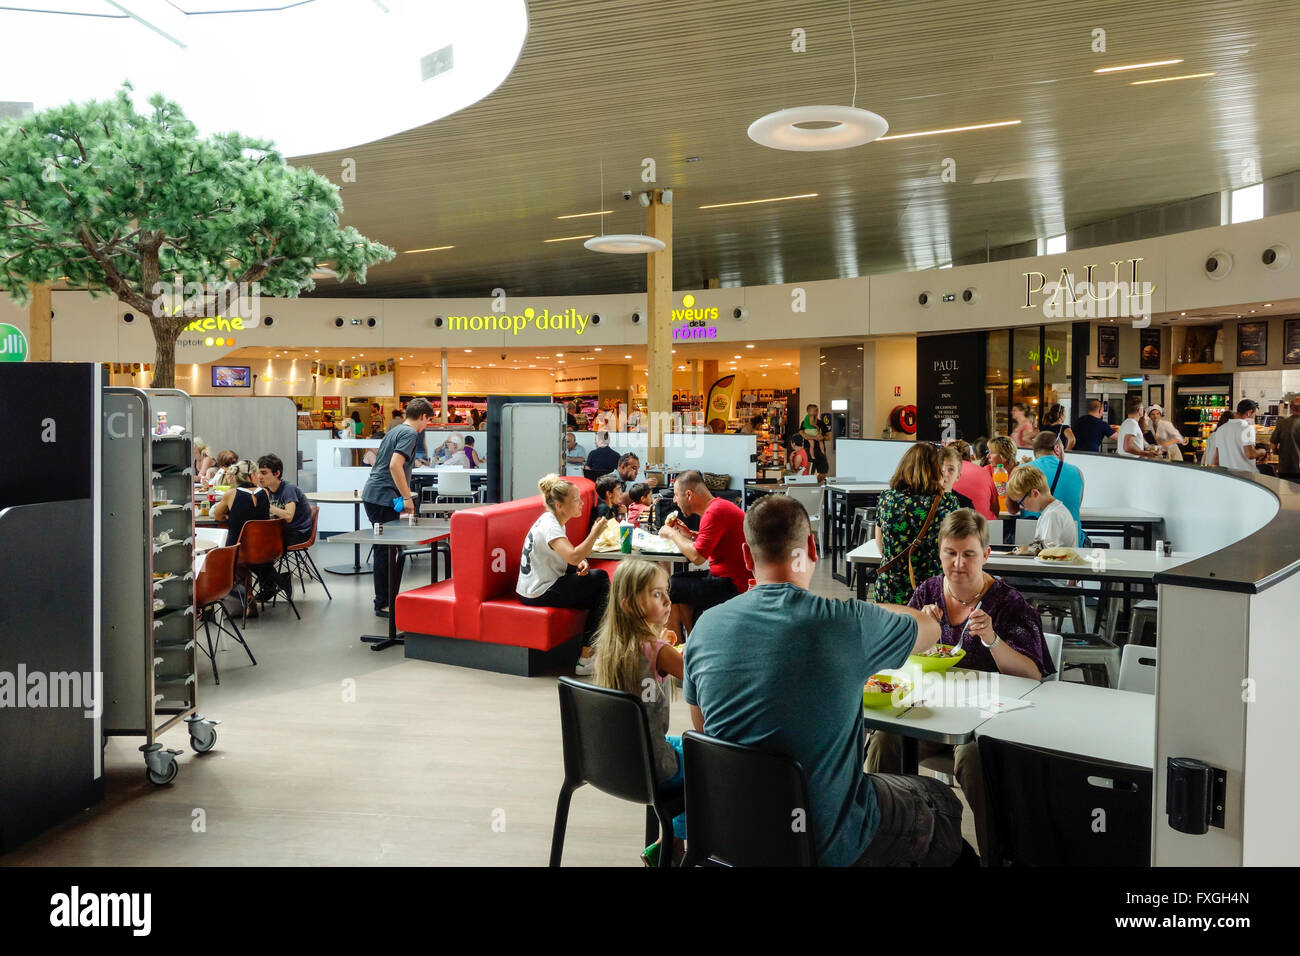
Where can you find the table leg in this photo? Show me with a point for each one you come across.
(378, 643)
(356, 567)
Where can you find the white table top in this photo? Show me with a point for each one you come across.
(336, 497)
(1095, 722)
(1106, 514)
(860, 486)
(937, 723)
(1099, 564)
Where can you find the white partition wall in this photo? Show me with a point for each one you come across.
(868, 459)
(336, 471)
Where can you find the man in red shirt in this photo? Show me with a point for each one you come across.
(719, 540)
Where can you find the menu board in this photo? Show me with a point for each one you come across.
(1107, 346)
(1291, 342)
(950, 373)
(1150, 339)
(1252, 343)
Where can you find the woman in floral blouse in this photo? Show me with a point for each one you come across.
(901, 514)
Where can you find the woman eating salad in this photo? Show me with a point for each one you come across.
(996, 627)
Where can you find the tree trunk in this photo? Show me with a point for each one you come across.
(166, 330)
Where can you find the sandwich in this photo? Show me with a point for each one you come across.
(1057, 554)
(670, 520)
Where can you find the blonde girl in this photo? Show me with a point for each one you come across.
(553, 570)
(635, 653)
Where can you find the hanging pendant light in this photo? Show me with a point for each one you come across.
(627, 244)
(821, 128)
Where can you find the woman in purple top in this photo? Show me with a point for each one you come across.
(992, 622)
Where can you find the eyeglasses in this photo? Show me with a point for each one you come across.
(1021, 502)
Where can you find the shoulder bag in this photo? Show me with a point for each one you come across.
(874, 573)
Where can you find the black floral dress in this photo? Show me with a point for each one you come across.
(900, 516)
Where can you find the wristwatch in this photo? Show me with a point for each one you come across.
(996, 639)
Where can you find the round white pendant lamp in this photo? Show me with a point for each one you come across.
(625, 244)
(814, 128)
(821, 128)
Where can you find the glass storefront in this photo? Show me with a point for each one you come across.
(1029, 364)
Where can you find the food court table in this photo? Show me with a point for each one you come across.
(1134, 525)
(1098, 723)
(841, 501)
(673, 558)
(343, 498)
(939, 724)
(397, 535)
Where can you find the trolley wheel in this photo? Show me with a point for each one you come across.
(166, 777)
(201, 745)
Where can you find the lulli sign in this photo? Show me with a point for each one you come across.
(13, 344)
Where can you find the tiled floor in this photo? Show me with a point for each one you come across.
(332, 754)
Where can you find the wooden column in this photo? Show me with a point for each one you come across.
(39, 335)
(659, 326)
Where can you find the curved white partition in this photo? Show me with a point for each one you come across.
(1205, 509)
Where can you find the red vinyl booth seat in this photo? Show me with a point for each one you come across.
(479, 601)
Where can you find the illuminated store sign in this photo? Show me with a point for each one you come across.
(1088, 289)
(698, 321)
(543, 321)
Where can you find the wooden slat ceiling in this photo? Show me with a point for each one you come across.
(614, 81)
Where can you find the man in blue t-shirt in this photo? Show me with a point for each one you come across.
(1049, 458)
(1091, 429)
(783, 669)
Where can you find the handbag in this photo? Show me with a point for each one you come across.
(874, 573)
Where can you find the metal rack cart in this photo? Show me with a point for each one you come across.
(148, 574)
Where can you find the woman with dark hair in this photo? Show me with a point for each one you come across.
(911, 511)
(1054, 422)
(1022, 425)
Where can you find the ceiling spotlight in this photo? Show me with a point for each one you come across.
(625, 244)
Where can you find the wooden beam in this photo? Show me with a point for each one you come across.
(39, 335)
(659, 327)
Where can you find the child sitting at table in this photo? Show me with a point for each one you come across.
(641, 496)
(607, 504)
(1027, 489)
(635, 653)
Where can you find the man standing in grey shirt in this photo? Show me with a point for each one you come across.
(390, 478)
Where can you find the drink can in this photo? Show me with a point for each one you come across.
(379, 528)
(625, 537)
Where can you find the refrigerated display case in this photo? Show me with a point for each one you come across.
(1198, 402)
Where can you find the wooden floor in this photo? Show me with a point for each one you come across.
(332, 754)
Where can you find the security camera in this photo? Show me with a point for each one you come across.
(627, 194)
(437, 321)
(268, 320)
(1218, 264)
(637, 318)
(740, 313)
(338, 321)
(970, 296)
(924, 299)
(371, 322)
(128, 317)
(503, 356)
(1276, 256)
(595, 318)
(644, 198)
(666, 197)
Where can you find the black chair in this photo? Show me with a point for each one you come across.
(591, 474)
(607, 744)
(1044, 808)
(746, 807)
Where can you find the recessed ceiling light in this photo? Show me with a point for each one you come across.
(532, 366)
(1170, 79)
(559, 355)
(692, 159)
(598, 348)
(570, 238)
(409, 252)
(627, 356)
(492, 364)
(561, 361)
(755, 202)
(469, 350)
(1136, 66)
(749, 346)
(953, 129)
(1267, 305)
(583, 215)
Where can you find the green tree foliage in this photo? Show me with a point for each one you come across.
(106, 199)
